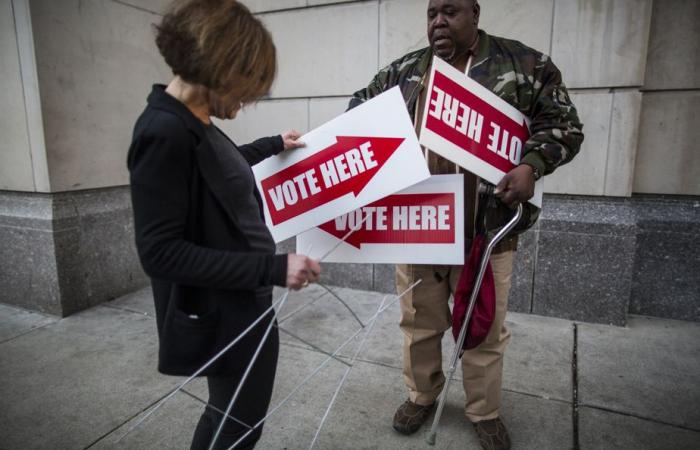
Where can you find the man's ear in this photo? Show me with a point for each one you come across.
(477, 11)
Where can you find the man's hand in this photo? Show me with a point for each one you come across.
(291, 140)
(517, 186)
(301, 270)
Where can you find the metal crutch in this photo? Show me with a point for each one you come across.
(457, 353)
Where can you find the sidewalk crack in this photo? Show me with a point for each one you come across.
(574, 374)
(31, 330)
(640, 417)
(123, 422)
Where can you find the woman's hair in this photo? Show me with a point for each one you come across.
(218, 44)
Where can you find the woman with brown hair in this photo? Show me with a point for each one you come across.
(200, 231)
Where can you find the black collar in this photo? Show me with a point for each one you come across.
(207, 161)
(159, 99)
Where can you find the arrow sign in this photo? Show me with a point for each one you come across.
(399, 219)
(355, 159)
(467, 121)
(472, 127)
(423, 224)
(345, 167)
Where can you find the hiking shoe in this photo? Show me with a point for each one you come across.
(410, 416)
(492, 434)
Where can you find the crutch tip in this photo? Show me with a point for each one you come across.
(431, 438)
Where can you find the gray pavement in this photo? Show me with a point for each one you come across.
(80, 382)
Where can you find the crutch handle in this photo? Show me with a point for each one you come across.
(486, 188)
(442, 399)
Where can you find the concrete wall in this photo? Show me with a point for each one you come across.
(632, 69)
(77, 72)
(16, 172)
(91, 92)
(75, 77)
(87, 98)
(600, 46)
(667, 159)
(23, 165)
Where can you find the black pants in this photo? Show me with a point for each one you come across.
(251, 404)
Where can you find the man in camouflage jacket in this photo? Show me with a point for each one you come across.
(530, 82)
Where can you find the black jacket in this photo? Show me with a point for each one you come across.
(202, 270)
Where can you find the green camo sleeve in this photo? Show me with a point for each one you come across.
(557, 132)
(374, 88)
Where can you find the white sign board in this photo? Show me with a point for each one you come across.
(473, 127)
(361, 156)
(423, 224)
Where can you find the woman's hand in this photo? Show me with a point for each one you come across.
(291, 140)
(301, 270)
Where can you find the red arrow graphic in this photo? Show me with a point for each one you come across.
(472, 124)
(345, 167)
(399, 219)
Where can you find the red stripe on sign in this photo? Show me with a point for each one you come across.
(461, 117)
(399, 219)
(343, 168)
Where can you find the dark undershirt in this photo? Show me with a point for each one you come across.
(240, 176)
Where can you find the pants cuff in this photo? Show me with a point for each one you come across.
(473, 418)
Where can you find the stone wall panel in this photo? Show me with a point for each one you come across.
(321, 110)
(324, 51)
(674, 60)
(267, 118)
(16, 171)
(96, 62)
(601, 43)
(585, 175)
(622, 148)
(667, 158)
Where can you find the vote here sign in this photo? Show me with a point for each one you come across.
(359, 157)
(472, 127)
(423, 224)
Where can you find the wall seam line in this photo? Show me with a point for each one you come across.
(24, 94)
(307, 6)
(379, 31)
(24, 97)
(140, 8)
(551, 31)
(29, 75)
(607, 153)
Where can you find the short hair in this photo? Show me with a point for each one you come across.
(218, 44)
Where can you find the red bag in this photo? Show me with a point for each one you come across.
(485, 308)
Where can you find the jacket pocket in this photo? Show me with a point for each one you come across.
(189, 338)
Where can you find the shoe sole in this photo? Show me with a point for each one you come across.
(406, 431)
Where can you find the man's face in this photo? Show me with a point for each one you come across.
(452, 26)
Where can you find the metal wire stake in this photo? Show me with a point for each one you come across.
(442, 399)
(315, 347)
(352, 230)
(329, 290)
(349, 233)
(307, 304)
(208, 405)
(248, 369)
(337, 297)
(370, 326)
(299, 309)
(239, 388)
(321, 366)
(201, 369)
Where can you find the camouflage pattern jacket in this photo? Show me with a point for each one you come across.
(518, 74)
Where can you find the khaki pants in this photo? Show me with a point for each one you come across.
(425, 316)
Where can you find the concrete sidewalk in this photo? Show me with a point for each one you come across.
(79, 382)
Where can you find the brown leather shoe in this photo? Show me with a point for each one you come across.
(410, 416)
(492, 434)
